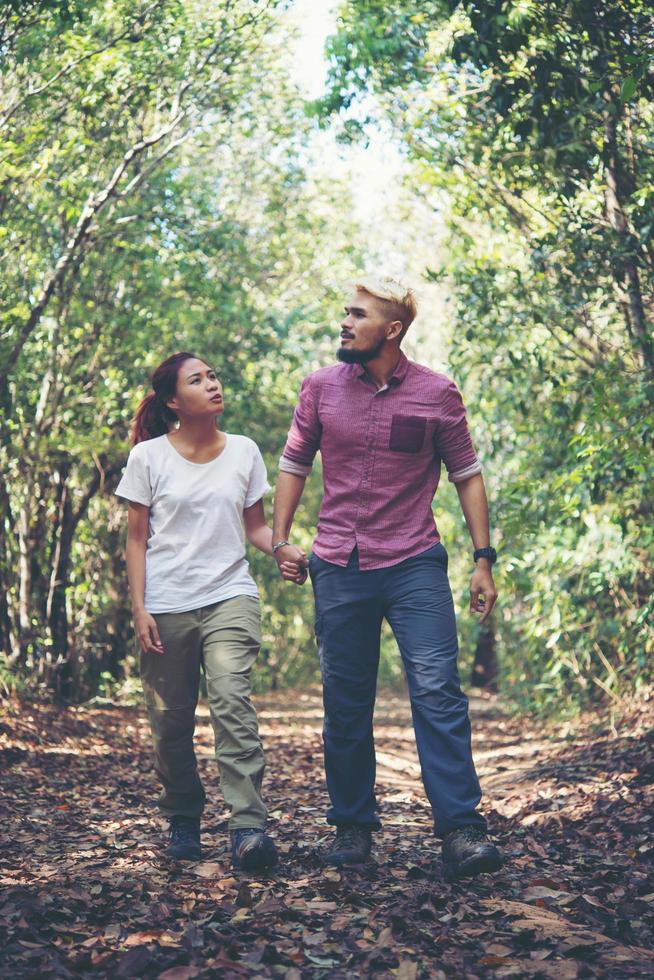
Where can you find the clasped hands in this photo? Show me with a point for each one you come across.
(292, 563)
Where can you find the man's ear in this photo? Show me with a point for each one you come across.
(394, 329)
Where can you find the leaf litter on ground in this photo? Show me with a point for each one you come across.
(86, 890)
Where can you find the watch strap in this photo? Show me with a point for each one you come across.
(488, 553)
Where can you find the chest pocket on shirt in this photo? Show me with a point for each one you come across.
(407, 433)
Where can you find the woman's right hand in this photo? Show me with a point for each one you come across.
(146, 630)
(292, 563)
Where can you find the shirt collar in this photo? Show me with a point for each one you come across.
(398, 375)
(401, 368)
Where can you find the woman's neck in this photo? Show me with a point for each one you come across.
(197, 432)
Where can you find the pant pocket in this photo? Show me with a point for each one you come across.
(441, 555)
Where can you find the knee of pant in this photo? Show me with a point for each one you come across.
(234, 717)
(340, 682)
(232, 730)
(230, 702)
(242, 760)
(438, 686)
(171, 723)
(226, 688)
(348, 705)
(347, 725)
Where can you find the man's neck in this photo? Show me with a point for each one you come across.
(382, 368)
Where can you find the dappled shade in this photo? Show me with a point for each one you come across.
(86, 888)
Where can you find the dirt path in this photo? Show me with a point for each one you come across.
(85, 891)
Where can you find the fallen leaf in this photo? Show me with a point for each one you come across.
(208, 869)
(407, 970)
(179, 973)
(133, 962)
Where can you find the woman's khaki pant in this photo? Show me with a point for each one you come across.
(225, 639)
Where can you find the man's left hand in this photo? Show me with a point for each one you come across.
(292, 563)
(483, 593)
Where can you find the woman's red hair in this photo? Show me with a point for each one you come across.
(153, 416)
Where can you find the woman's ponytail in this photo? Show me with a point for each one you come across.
(152, 419)
(153, 416)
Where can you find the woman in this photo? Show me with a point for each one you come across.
(190, 489)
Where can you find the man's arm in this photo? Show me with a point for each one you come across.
(287, 497)
(472, 494)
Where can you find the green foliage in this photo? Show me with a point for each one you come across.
(201, 238)
(153, 196)
(376, 40)
(530, 129)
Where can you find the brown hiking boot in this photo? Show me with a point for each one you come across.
(252, 850)
(467, 852)
(184, 839)
(351, 846)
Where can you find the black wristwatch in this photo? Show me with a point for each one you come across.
(489, 553)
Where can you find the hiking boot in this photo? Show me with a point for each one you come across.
(467, 852)
(184, 839)
(252, 850)
(351, 846)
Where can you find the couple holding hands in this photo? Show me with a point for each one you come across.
(383, 425)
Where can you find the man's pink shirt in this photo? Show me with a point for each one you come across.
(381, 455)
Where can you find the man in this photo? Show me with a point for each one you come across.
(383, 425)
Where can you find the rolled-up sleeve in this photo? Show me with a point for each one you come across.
(452, 440)
(303, 439)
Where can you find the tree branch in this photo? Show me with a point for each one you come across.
(94, 205)
(71, 65)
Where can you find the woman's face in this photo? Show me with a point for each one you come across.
(198, 392)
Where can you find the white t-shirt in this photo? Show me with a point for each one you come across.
(195, 553)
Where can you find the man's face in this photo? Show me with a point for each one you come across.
(363, 329)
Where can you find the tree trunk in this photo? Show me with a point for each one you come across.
(8, 639)
(626, 266)
(25, 575)
(62, 678)
(56, 610)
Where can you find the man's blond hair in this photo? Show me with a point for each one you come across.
(401, 299)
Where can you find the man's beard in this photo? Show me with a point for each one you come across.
(360, 356)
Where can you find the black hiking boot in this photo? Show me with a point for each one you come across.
(184, 839)
(467, 852)
(351, 846)
(252, 850)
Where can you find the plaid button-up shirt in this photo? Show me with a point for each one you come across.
(381, 455)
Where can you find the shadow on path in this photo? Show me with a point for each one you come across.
(85, 891)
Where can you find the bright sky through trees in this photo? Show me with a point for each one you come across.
(396, 226)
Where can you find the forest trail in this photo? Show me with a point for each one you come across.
(85, 891)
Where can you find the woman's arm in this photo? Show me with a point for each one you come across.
(138, 519)
(256, 530)
(260, 535)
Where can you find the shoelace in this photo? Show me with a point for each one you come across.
(244, 836)
(349, 837)
(473, 834)
(182, 833)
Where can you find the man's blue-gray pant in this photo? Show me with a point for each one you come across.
(414, 596)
